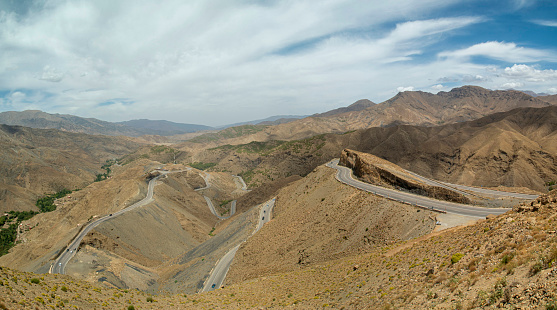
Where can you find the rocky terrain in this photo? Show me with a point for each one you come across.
(36, 162)
(512, 149)
(411, 108)
(374, 170)
(328, 244)
(501, 262)
(318, 219)
(549, 98)
(72, 123)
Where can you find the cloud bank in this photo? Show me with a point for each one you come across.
(218, 62)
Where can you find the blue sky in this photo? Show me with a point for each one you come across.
(219, 62)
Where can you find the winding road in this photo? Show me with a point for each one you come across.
(467, 190)
(214, 211)
(344, 175)
(218, 274)
(62, 260)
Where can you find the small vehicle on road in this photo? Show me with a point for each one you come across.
(213, 286)
(59, 264)
(263, 219)
(110, 214)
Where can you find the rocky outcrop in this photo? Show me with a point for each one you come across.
(374, 170)
(543, 203)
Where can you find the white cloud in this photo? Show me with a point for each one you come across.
(552, 90)
(17, 95)
(437, 87)
(473, 78)
(509, 52)
(218, 61)
(548, 23)
(528, 73)
(51, 74)
(403, 89)
(512, 85)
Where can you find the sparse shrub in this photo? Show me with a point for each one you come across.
(149, 299)
(551, 305)
(537, 267)
(131, 307)
(456, 258)
(498, 291)
(507, 258)
(64, 288)
(35, 281)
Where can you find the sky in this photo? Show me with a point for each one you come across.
(217, 62)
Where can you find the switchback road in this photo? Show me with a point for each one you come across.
(218, 274)
(60, 263)
(214, 211)
(344, 175)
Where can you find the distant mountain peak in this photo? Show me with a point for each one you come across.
(359, 105)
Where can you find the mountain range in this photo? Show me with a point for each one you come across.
(326, 244)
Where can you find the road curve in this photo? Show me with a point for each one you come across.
(214, 211)
(344, 175)
(467, 190)
(206, 179)
(218, 274)
(60, 263)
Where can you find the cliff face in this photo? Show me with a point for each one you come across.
(374, 170)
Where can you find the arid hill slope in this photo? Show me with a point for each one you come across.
(39, 161)
(515, 149)
(317, 219)
(72, 123)
(502, 262)
(412, 108)
(550, 98)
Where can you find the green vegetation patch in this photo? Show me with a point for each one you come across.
(228, 133)
(202, 166)
(162, 148)
(313, 144)
(106, 167)
(46, 204)
(456, 258)
(254, 147)
(9, 234)
(12, 219)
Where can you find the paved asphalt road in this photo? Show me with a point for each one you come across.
(474, 190)
(490, 192)
(344, 175)
(218, 274)
(60, 263)
(241, 180)
(214, 211)
(206, 179)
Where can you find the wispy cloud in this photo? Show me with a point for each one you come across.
(548, 23)
(509, 52)
(224, 61)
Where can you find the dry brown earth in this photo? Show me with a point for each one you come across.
(37, 161)
(502, 262)
(52, 231)
(511, 149)
(412, 108)
(318, 219)
(374, 170)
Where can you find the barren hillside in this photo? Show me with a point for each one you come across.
(35, 162)
(317, 219)
(501, 262)
(411, 108)
(513, 149)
